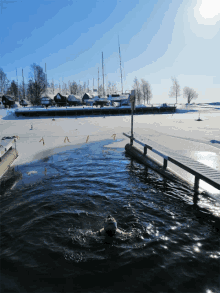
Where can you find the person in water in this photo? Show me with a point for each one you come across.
(110, 228)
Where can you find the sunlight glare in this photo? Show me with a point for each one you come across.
(207, 12)
(209, 8)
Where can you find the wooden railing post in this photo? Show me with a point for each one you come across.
(196, 184)
(145, 150)
(164, 164)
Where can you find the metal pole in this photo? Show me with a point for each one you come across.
(98, 80)
(120, 66)
(132, 113)
(103, 89)
(23, 83)
(46, 77)
(132, 101)
(17, 87)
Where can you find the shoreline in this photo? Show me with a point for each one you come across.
(179, 131)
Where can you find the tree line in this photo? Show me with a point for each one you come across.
(144, 93)
(38, 85)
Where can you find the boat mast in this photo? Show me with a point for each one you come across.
(23, 83)
(103, 90)
(17, 86)
(98, 80)
(120, 66)
(46, 77)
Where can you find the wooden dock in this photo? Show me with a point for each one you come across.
(7, 155)
(199, 170)
(92, 111)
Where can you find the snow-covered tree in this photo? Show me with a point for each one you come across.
(100, 91)
(137, 88)
(73, 88)
(189, 94)
(52, 86)
(146, 91)
(3, 82)
(175, 89)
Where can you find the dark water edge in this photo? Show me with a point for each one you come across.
(47, 218)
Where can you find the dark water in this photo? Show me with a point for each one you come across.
(46, 219)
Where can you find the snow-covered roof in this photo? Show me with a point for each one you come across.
(43, 99)
(87, 96)
(118, 98)
(73, 98)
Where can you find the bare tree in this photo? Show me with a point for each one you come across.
(3, 81)
(80, 90)
(36, 84)
(137, 88)
(64, 91)
(190, 94)
(175, 89)
(146, 91)
(101, 92)
(13, 90)
(73, 88)
(52, 86)
(84, 86)
(111, 88)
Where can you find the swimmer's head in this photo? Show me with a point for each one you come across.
(110, 226)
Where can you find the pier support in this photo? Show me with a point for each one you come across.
(164, 164)
(196, 184)
(149, 162)
(145, 150)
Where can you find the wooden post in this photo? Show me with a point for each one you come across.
(132, 113)
(164, 164)
(196, 184)
(132, 101)
(145, 150)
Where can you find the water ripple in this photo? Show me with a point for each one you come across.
(47, 222)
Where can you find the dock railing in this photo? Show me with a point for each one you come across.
(199, 170)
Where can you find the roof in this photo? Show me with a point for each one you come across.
(45, 99)
(73, 98)
(118, 98)
(87, 96)
(60, 98)
(51, 96)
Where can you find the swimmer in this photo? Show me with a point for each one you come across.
(32, 172)
(110, 228)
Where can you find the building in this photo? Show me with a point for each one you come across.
(60, 100)
(73, 100)
(8, 101)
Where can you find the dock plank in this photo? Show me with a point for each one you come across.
(198, 169)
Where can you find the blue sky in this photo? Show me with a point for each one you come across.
(159, 39)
